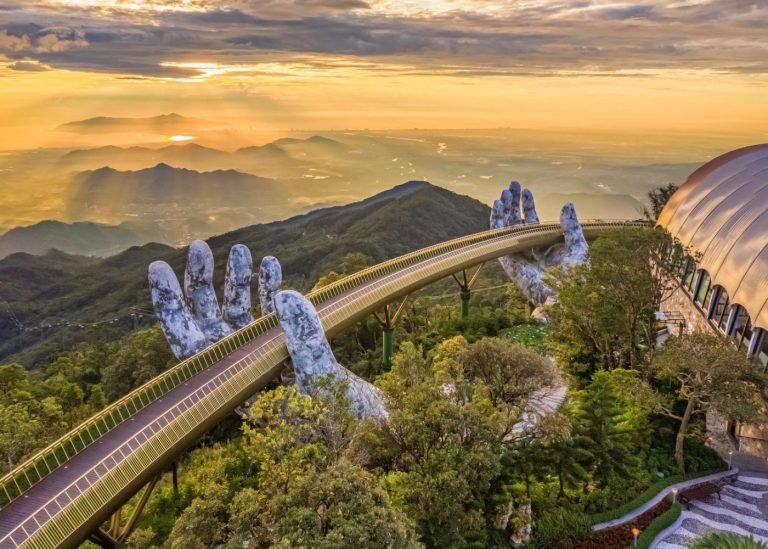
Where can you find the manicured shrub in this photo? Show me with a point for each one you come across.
(561, 528)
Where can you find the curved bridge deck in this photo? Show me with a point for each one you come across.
(59, 502)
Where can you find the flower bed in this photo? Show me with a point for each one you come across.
(664, 521)
(621, 536)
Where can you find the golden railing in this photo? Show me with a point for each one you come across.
(220, 395)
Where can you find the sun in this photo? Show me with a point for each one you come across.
(181, 138)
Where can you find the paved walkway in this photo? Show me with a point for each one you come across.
(742, 508)
(661, 495)
(543, 402)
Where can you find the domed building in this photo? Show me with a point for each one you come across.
(721, 214)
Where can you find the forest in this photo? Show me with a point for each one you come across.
(457, 464)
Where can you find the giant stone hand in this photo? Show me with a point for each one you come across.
(191, 320)
(527, 269)
(313, 358)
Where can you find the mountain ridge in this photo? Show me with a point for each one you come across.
(397, 221)
(110, 123)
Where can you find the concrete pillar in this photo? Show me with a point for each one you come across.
(388, 347)
(466, 294)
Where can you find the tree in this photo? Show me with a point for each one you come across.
(600, 420)
(440, 445)
(290, 437)
(658, 198)
(605, 315)
(14, 383)
(567, 457)
(352, 263)
(342, 506)
(450, 418)
(202, 525)
(18, 432)
(142, 356)
(140, 538)
(708, 373)
(507, 373)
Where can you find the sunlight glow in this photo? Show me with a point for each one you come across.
(181, 138)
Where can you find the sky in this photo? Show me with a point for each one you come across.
(269, 66)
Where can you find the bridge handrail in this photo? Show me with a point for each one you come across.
(27, 474)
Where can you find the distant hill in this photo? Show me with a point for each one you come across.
(190, 155)
(166, 123)
(164, 192)
(284, 158)
(83, 238)
(79, 290)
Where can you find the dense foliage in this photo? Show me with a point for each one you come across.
(51, 302)
(466, 458)
(39, 406)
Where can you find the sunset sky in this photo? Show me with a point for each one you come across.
(266, 66)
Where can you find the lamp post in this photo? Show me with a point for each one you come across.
(674, 495)
(730, 459)
(635, 532)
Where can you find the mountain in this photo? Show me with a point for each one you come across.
(190, 155)
(166, 123)
(83, 238)
(85, 290)
(270, 151)
(166, 193)
(281, 158)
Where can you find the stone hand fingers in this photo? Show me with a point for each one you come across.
(181, 331)
(237, 287)
(198, 289)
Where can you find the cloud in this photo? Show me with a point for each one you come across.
(31, 38)
(460, 37)
(9, 42)
(28, 66)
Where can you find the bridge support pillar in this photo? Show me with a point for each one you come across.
(388, 347)
(466, 295)
(465, 282)
(387, 322)
(117, 532)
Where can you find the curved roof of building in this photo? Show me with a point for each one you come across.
(721, 212)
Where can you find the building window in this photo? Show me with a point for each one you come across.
(708, 298)
(762, 352)
(704, 287)
(742, 332)
(688, 274)
(720, 314)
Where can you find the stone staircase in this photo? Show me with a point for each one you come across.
(742, 509)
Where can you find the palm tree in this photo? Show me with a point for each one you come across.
(727, 540)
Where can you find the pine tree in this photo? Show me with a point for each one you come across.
(599, 420)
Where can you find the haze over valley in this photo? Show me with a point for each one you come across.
(176, 187)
